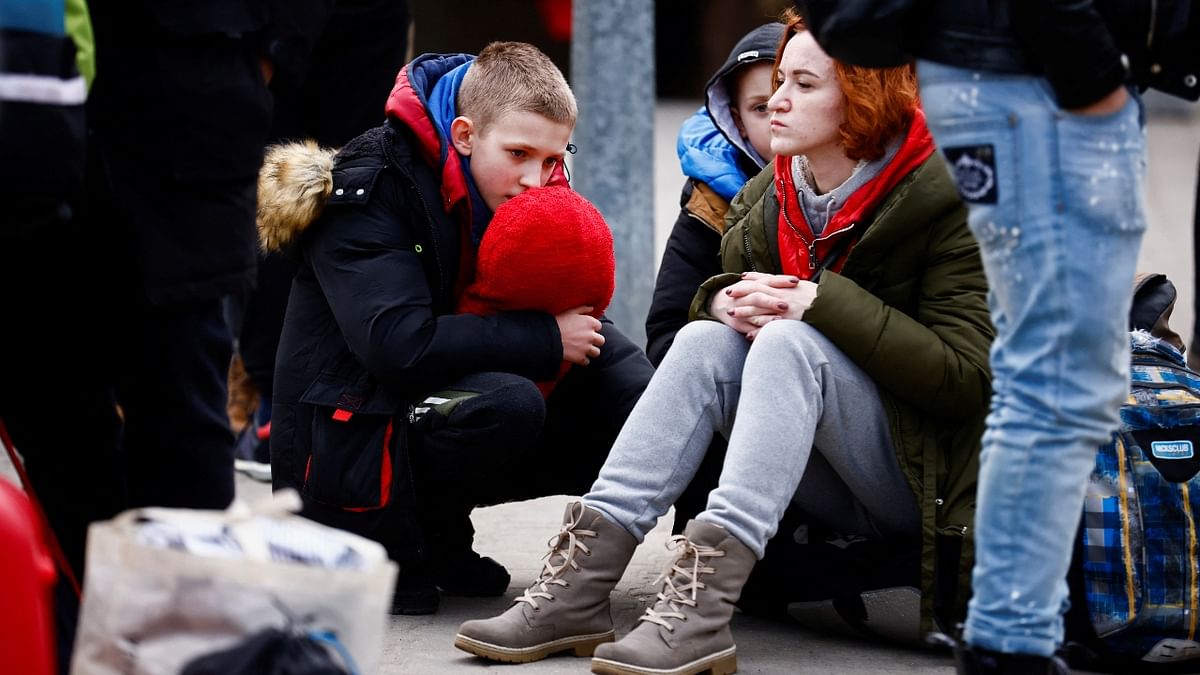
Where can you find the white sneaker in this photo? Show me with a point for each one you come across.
(260, 471)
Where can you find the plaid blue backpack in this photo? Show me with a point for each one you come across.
(1136, 576)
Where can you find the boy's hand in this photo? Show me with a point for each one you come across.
(581, 338)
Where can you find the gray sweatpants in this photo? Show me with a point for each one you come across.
(804, 424)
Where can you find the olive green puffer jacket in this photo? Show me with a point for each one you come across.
(910, 308)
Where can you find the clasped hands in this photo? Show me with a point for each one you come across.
(759, 299)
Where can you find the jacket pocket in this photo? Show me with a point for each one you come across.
(356, 444)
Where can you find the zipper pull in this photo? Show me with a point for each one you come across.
(812, 256)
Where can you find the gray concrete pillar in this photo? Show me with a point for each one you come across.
(612, 74)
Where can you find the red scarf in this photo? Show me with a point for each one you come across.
(798, 244)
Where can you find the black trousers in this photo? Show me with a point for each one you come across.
(57, 403)
(503, 442)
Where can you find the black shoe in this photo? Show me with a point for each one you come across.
(416, 593)
(978, 661)
(457, 568)
(468, 574)
(972, 660)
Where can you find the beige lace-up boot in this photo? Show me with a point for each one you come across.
(687, 630)
(567, 608)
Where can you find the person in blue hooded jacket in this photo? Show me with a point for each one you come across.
(720, 147)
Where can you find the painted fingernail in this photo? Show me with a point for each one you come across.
(795, 280)
(782, 305)
(730, 312)
(728, 291)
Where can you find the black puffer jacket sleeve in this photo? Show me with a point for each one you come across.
(692, 255)
(372, 274)
(1070, 40)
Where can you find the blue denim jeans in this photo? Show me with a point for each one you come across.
(1056, 203)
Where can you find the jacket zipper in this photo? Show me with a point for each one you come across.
(746, 245)
(811, 245)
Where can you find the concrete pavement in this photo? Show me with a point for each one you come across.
(516, 534)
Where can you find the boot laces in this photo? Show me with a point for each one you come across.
(674, 596)
(563, 546)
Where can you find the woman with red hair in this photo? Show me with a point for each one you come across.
(845, 359)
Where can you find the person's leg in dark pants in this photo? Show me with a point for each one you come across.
(178, 445)
(258, 331)
(463, 434)
(55, 402)
(584, 414)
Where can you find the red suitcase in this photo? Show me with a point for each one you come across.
(27, 576)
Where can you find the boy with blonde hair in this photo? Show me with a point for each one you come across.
(394, 415)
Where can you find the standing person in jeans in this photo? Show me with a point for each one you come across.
(1029, 104)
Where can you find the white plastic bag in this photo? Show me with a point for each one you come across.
(160, 589)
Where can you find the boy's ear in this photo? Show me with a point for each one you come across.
(462, 134)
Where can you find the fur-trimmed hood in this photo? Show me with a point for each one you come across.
(294, 184)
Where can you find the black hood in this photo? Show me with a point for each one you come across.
(758, 45)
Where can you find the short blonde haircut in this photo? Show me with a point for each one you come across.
(514, 77)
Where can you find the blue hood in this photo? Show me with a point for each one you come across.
(706, 155)
(435, 79)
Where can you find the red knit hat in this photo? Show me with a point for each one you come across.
(547, 249)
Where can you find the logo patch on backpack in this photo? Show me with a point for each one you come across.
(974, 169)
(1172, 449)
